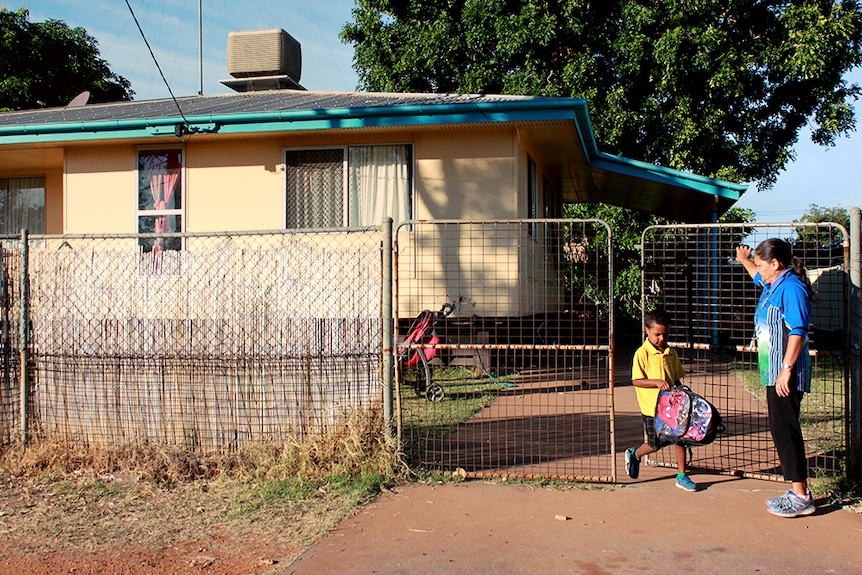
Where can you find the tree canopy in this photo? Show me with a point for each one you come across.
(823, 214)
(46, 64)
(721, 88)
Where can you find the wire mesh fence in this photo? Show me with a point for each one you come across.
(691, 272)
(10, 341)
(508, 371)
(226, 340)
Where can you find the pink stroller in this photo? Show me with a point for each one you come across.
(414, 361)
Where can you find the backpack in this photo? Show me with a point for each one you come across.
(682, 416)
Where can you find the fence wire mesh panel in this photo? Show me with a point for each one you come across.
(229, 339)
(504, 355)
(691, 271)
(10, 338)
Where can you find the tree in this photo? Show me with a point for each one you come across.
(721, 88)
(823, 238)
(46, 64)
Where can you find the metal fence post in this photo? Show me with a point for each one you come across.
(25, 337)
(387, 324)
(855, 455)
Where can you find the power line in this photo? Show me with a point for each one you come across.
(165, 80)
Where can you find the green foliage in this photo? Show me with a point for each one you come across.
(822, 237)
(46, 64)
(628, 227)
(718, 88)
(737, 215)
(816, 214)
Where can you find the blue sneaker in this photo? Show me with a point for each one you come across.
(773, 501)
(684, 482)
(633, 463)
(791, 505)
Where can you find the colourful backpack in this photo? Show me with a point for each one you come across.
(682, 416)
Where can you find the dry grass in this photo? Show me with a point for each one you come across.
(66, 497)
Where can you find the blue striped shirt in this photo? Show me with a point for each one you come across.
(784, 309)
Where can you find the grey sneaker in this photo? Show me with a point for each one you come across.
(791, 505)
(773, 501)
(633, 464)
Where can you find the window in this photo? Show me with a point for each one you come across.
(22, 205)
(356, 186)
(160, 197)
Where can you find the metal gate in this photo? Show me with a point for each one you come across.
(509, 371)
(690, 270)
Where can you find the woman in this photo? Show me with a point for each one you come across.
(781, 327)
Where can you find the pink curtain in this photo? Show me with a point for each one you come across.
(162, 187)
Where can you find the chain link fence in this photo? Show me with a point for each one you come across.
(225, 340)
(511, 373)
(691, 271)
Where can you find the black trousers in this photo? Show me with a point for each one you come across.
(787, 432)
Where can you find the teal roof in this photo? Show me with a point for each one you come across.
(593, 176)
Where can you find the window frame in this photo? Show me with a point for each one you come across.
(181, 211)
(345, 176)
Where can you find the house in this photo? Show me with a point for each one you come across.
(274, 156)
(288, 158)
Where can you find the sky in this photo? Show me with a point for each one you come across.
(827, 177)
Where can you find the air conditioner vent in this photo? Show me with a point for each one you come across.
(256, 53)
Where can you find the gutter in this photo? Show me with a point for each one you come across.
(286, 120)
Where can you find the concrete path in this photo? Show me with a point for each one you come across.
(646, 527)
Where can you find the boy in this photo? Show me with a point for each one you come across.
(655, 367)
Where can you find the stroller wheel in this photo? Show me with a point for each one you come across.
(435, 393)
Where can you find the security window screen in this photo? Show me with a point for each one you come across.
(315, 188)
(22, 205)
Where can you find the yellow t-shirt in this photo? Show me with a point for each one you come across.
(650, 363)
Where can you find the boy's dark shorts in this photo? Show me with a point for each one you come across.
(652, 438)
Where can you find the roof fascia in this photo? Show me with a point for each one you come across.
(293, 120)
(644, 170)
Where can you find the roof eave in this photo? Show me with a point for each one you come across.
(293, 120)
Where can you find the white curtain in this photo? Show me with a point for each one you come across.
(22, 205)
(379, 184)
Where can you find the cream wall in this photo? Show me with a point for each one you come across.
(54, 201)
(466, 175)
(100, 189)
(234, 186)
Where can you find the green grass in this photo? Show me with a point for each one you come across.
(823, 415)
(465, 395)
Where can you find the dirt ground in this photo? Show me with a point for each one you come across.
(112, 527)
(453, 528)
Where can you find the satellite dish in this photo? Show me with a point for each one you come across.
(79, 100)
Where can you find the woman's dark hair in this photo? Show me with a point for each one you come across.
(777, 249)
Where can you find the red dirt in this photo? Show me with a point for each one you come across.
(215, 557)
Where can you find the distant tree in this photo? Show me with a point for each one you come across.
(715, 87)
(819, 237)
(46, 64)
(817, 214)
